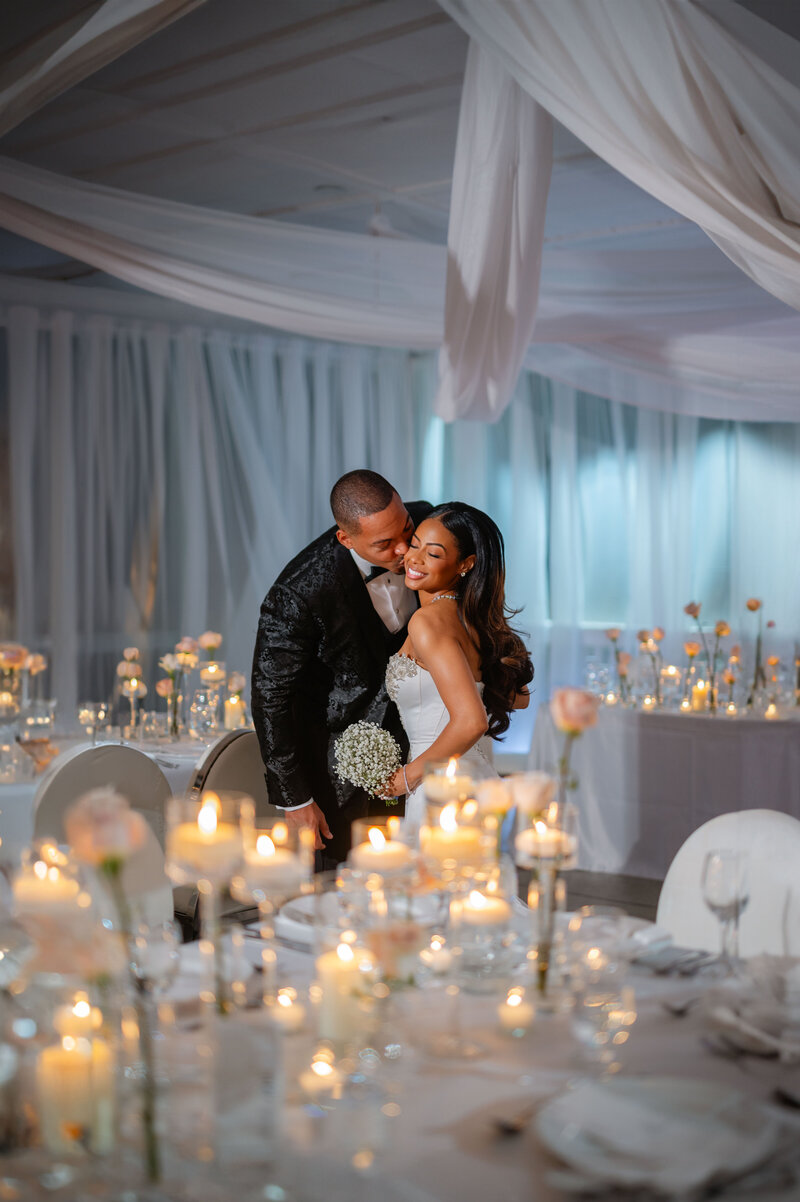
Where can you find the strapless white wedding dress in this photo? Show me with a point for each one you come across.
(424, 716)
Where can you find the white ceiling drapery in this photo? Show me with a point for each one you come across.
(680, 330)
(666, 95)
(64, 54)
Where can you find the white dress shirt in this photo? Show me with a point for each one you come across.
(394, 605)
(393, 602)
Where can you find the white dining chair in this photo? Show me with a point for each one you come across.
(771, 920)
(233, 764)
(130, 772)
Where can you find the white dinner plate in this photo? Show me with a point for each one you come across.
(667, 1133)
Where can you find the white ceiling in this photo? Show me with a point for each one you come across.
(325, 112)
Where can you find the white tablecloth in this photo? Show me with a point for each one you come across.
(646, 781)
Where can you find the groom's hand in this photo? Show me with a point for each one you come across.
(313, 818)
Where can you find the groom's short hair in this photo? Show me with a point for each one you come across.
(358, 494)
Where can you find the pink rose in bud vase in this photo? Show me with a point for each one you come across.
(658, 633)
(130, 653)
(613, 633)
(573, 710)
(693, 609)
(187, 646)
(101, 826)
(165, 687)
(623, 662)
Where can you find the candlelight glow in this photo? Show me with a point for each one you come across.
(265, 846)
(393, 825)
(448, 820)
(469, 810)
(280, 832)
(53, 874)
(82, 1009)
(477, 900)
(208, 817)
(322, 1068)
(376, 838)
(345, 953)
(540, 827)
(452, 767)
(514, 999)
(40, 869)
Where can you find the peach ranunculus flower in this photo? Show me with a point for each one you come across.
(643, 636)
(186, 660)
(623, 663)
(729, 677)
(209, 641)
(126, 669)
(736, 651)
(753, 604)
(773, 660)
(693, 609)
(165, 687)
(613, 633)
(236, 683)
(722, 630)
(130, 653)
(657, 633)
(186, 645)
(12, 656)
(574, 710)
(691, 648)
(102, 828)
(35, 664)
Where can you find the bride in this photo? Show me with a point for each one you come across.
(462, 668)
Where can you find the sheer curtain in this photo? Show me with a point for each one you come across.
(162, 476)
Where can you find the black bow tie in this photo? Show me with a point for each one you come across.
(375, 573)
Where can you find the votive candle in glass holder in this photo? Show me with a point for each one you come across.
(453, 840)
(480, 921)
(75, 1078)
(213, 674)
(378, 845)
(205, 841)
(47, 887)
(345, 980)
(443, 782)
(547, 837)
(278, 864)
(516, 1014)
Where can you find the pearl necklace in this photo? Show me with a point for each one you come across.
(445, 597)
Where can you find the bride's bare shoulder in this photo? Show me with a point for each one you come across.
(433, 622)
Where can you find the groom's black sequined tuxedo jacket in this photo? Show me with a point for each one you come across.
(319, 665)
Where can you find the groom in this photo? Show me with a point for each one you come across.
(327, 628)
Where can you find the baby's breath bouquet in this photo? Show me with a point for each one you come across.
(366, 755)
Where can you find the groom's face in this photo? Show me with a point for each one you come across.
(381, 538)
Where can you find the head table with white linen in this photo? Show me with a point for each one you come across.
(647, 780)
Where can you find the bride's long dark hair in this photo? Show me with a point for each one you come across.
(506, 666)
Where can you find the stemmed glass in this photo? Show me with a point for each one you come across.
(725, 892)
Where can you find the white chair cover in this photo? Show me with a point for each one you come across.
(130, 772)
(138, 779)
(771, 921)
(234, 765)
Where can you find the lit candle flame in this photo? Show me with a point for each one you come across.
(452, 767)
(322, 1068)
(376, 838)
(448, 820)
(264, 846)
(40, 869)
(477, 900)
(514, 999)
(469, 810)
(280, 832)
(345, 953)
(540, 827)
(81, 1009)
(207, 818)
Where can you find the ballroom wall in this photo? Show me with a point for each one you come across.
(161, 476)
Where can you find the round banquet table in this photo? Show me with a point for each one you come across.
(647, 780)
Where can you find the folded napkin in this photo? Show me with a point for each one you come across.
(671, 1137)
(759, 1010)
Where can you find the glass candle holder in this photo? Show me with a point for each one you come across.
(212, 674)
(444, 781)
(454, 840)
(379, 845)
(278, 864)
(547, 843)
(92, 716)
(481, 929)
(204, 846)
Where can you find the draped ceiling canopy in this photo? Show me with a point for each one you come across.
(623, 175)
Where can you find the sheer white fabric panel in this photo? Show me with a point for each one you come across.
(161, 478)
(674, 101)
(682, 330)
(504, 155)
(77, 47)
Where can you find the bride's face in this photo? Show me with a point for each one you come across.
(433, 560)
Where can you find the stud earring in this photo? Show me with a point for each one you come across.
(463, 573)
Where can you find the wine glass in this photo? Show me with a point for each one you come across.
(725, 892)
